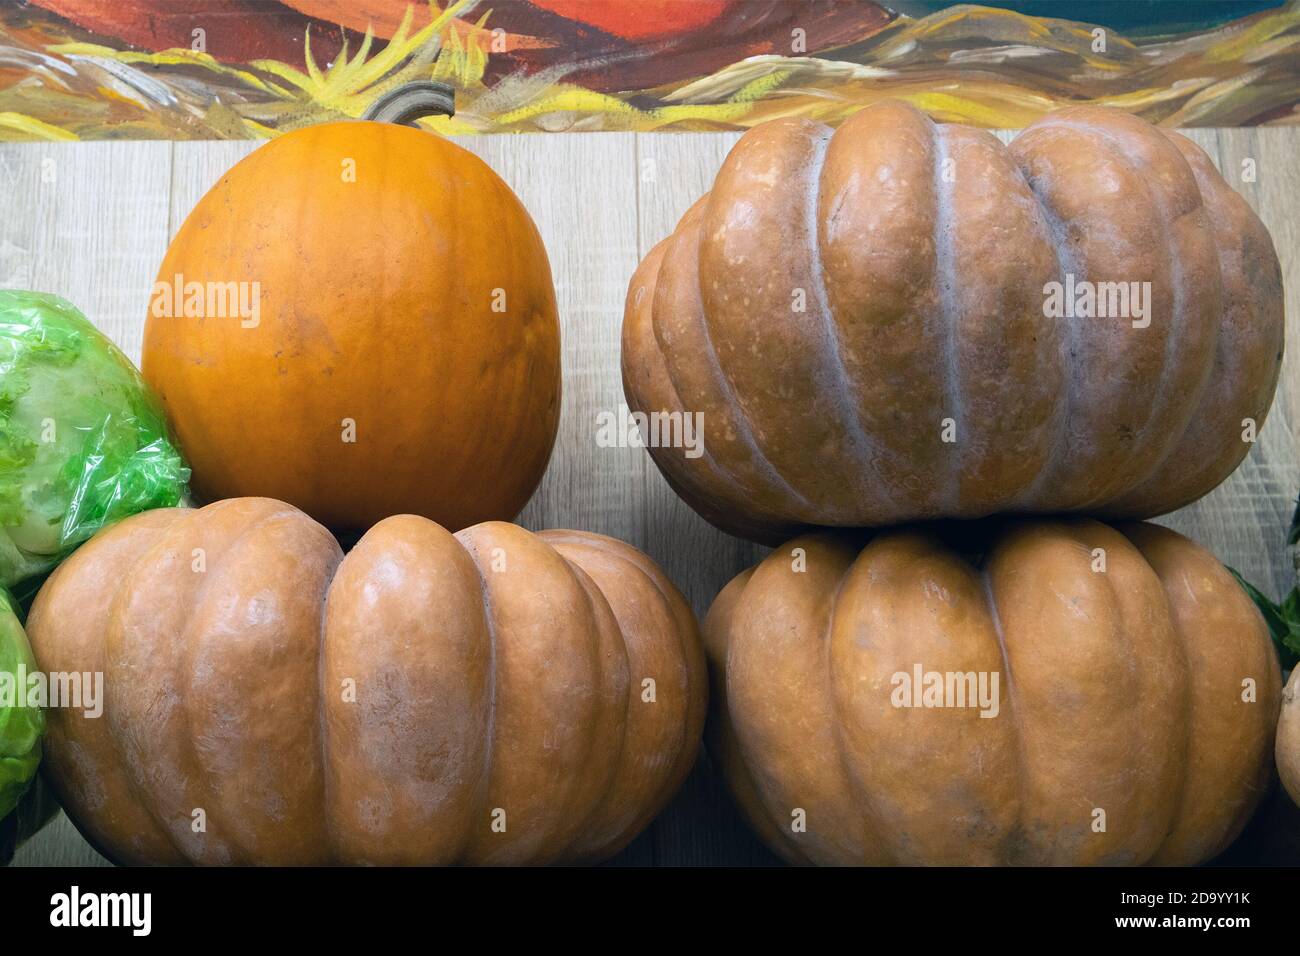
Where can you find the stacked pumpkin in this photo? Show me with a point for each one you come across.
(428, 698)
(871, 321)
(487, 696)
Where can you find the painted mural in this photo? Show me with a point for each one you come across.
(230, 69)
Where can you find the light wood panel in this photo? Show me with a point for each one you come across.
(96, 232)
(88, 223)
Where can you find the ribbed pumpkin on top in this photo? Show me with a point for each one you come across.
(859, 314)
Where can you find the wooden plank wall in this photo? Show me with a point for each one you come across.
(91, 221)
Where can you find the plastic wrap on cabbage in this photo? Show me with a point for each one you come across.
(20, 725)
(82, 440)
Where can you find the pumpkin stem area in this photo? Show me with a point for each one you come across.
(411, 101)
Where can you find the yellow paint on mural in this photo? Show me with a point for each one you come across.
(31, 127)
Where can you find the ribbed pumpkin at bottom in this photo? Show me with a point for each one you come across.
(1134, 720)
(429, 698)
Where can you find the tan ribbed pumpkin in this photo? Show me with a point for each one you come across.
(493, 696)
(859, 315)
(1132, 719)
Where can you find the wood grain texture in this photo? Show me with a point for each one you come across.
(89, 224)
(96, 232)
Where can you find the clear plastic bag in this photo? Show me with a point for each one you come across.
(20, 725)
(83, 441)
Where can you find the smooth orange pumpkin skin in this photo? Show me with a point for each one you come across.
(1120, 690)
(376, 307)
(383, 707)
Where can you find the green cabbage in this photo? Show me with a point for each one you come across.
(20, 725)
(83, 442)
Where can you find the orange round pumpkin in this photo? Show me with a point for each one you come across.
(404, 355)
(1081, 695)
(891, 322)
(493, 696)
